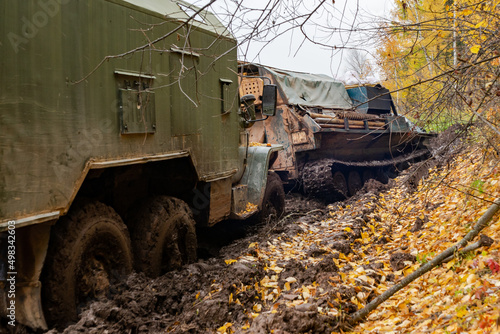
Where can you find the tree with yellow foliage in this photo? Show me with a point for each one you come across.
(443, 58)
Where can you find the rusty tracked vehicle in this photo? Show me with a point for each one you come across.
(334, 138)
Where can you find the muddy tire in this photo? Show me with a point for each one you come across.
(273, 203)
(354, 182)
(164, 236)
(89, 248)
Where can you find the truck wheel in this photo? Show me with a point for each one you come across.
(273, 203)
(89, 248)
(354, 182)
(164, 236)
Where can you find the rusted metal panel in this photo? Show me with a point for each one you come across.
(220, 201)
(277, 131)
(239, 198)
(299, 137)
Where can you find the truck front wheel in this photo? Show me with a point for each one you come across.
(273, 203)
(89, 248)
(164, 236)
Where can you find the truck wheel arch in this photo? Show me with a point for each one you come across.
(256, 172)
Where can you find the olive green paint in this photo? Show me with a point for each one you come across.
(59, 109)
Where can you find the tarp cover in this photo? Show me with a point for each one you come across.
(311, 90)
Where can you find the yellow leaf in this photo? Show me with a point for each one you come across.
(481, 24)
(461, 312)
(269, 284)
(450, 264)
(367, 279)
(224, 328)
(348, 229)
(475, 48)
(257, 308)
(276, 269)
(407, 271)
(228, 262)
(287, 286)
(306, 293)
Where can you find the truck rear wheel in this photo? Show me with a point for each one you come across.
(164, 237)
(273, 203)
(89, 248)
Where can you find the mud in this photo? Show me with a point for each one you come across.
(401, 260)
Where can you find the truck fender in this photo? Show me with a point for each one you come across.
(255, 175)
(31, 245)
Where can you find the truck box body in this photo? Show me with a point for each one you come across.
(75, 97)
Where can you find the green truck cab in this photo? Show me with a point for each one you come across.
(121, 130)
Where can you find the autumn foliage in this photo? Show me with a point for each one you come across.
(442, 59)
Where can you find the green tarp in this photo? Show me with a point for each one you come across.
(311, 90)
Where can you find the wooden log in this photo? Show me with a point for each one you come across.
(338, 121)
(340, 126)
(361, 123)
(336, 126)
(328, 121)
(376, 123)
(316, 115)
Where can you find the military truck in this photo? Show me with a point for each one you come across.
(335, 138)
(120, 132)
